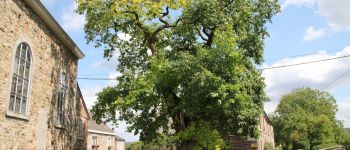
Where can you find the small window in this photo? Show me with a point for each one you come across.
(20, 79)
(61, 100)
(94, 140)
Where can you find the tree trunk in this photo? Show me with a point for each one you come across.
(186, 145)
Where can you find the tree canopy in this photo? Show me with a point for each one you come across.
(305, 119)
(188, 71)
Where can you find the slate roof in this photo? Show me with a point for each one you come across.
(118, 138)
(99, 127)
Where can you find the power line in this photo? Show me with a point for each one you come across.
(79, 78)
(336, 79)
(300, 55)
(303, 63)
(268, 68)
(94, 74)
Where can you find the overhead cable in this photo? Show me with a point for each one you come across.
(336, 79)
(303, 63)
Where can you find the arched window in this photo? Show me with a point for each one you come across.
(20, 79)
(61, 99)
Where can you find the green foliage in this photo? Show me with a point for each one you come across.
(323, 146)
(346, 141)
(268, 146)
(154, 145)
(188, 70)
(135, 146)
(305, 119)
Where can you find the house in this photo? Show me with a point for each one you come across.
(102, 137)
(267, 137)
(119, 143)
(40, 101)
(265, 140)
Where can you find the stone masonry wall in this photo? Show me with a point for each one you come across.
(266, 137)
(101, 140)
(83, 113)
(267, 134)
(49, 57)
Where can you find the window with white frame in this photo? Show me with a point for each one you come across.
(94, 140)
(20, 79)
(61, 97)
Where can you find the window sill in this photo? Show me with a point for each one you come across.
(17, 115)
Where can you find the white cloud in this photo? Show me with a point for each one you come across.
(344, 113)
(71, 21)
(311, 33)
(314, 75)
(287, 3)
(335, 12)
(89, 94)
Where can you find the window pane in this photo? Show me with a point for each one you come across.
(27, 71)
(12, 101)
(19, 86)
(63, 99)
(25, 87)
(14, 81)
(59, 101)
(18, 103)
(23, 50)
(28, 56)
(24, 104)
(61, 117)
(21, 68)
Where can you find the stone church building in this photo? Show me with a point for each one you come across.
(41, 106)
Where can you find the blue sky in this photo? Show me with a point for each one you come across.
(305, 30)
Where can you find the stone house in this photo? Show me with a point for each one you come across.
(267, 137)
(119, 143)
(265, 140)
(101, 137)
(40, 101)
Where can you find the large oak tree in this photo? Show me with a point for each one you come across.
(188, 71)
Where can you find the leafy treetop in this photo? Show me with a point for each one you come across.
(305, 119)
(188, 70)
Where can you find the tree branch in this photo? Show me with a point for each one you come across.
(151, 37)
(200, 34)
(166, 24)
(209, 34)
(137, 21)
(210, 39)
(163, 15)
